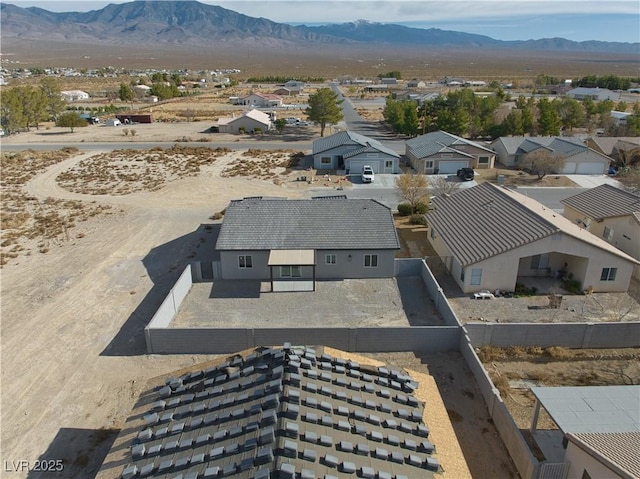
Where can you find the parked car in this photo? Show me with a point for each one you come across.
(367, 174)
(465, 174)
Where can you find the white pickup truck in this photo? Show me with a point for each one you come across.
(367, 174)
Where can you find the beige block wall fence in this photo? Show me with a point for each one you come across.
(454, 336)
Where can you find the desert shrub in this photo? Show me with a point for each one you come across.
(502, 384)
(572, 286)
(417, 219)
(125, 131)
(133, 132)
(404, 209)
(558, 352)
(489, 353)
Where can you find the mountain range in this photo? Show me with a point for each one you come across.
(155, 23)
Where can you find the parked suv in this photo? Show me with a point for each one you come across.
(465, 174)
(367, 174)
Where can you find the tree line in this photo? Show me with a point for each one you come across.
(464, 113)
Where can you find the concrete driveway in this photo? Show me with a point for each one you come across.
(591, 181)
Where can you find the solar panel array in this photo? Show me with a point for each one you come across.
(290, 412)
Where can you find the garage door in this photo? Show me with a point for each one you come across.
(448, 167)
(355, 166)
(569, 168)
(591, 168)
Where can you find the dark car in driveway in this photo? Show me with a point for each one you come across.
(465, 174)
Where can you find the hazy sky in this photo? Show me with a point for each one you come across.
(504, 20)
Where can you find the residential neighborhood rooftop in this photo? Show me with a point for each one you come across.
(605, 201)
(486, 220)
(440, 141)
(340, 138)
(319, 223)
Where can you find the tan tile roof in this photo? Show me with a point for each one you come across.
(619, 451)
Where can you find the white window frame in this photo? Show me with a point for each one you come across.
(483, 160)
(329, 259)
(370, 260)
(290, 272)
(607, 233)
(428, 164)
(245, 261)
(608, 274)
(388, 163)
(476, 276)
(325, 160)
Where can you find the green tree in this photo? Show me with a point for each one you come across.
(71, 120)
(392, 74)
(280, 123)
(571, 112)
(410, 121)
(548, 119)
(125, 93)
(324, 107)
(393, 113)
(11, 113)
(55, 104)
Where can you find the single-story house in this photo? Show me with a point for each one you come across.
(142, 90)
(579, 158)
(620, 117)
(415, 83)
(440, 152)
(489, 237)
(598, 429)
(597, 94)
(389, 81)
(620, 149)
(261, 100)
(294, 242)
(250, 122)
(286, 91)
(294, 84)
(609, 213)
(74, 95)
(350, 151)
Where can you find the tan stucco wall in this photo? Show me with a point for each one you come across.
(580, 461)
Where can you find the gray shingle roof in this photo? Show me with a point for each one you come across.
(481, 222)
(321, 223)
(371, 149)
(566, 145)
(295, 412)
(427, 145)
(604, 201)
(348, 137)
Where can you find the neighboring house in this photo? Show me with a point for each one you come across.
(419, 98)
(620, 117)
(609, 213)
(350, 151)
(579, 158)
(376, 87)
(260, 100)
(598, 428)
(389, 81)
(440, 152)
(294, 242)
(597, 94)
(415, 83)
(142, 90)
(475, 83)
(295, 85)
(620, 149)
(488, 237)
(250, 122)
(74, 95)
(285, 91)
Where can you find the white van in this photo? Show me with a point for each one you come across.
(113, 122)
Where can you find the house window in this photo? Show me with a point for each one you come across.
(289, 271)
(370, 260)
(540, 261)
(608, 233)
(428, 164)
(462, 274)
(245, 261)
(388, 164)
(330, 259)
(476, 276)
(608, 274)
(433, 233)
(325, 160)
(483, 160)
